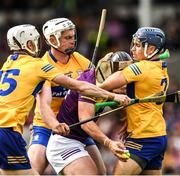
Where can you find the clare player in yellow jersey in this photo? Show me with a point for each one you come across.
(147, 138)
(21, 78)
(61, 55)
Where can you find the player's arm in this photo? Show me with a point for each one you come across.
(114, 81)
(89, 89)
(88, 110)
(44, 103)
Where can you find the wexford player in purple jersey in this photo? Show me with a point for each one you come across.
(67, 154)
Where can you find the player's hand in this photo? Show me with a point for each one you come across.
(61, 129)
(123, 100)
(118, 149)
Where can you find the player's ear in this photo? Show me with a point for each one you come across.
(151, 49)
(53, 40)
(30, 45)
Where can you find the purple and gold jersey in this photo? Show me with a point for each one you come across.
(21, 78)
(76, 65)
(146, 119)
(68, 112)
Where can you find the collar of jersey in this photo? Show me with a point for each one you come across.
(14, 57)
(51, 55)
(157, 59)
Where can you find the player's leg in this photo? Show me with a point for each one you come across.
(130, 167)
(95, 154)
(81, 166)
(37, 155)
(49, 170)
(152, 172)
(148, 153)
(13, 155)
(19, 172)
(136, 163)
(154, 166)
(37, 148)
(69, 156)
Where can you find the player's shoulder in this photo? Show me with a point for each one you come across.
(137, 68)
(89, 71)
(30, 60)
(140, 64)
(82, 60)
(148, 64)
(41, 63)
(45, 56)
(38, 60)
(77, 55)
(88, 75)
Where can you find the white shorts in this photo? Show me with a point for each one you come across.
(61, 151)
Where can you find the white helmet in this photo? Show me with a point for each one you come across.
(18, 36)
(55, 27)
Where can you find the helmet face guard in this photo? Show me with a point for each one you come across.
(55, 27)
(150, 36)
(38, 46)
(120, 56)
(117, 61)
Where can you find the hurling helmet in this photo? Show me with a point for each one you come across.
(56, 27)
(120, 56)
(151, 36)
(18, 36)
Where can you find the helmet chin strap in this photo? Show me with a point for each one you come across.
(145, 52)
(26, 50)
(68, 51)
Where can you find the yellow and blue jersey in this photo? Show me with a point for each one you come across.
(146, 78)
(21, 78)
(76, 65)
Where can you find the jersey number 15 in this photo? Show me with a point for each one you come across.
(5, 79)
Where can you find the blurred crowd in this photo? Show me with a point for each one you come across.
(119, 27)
